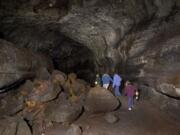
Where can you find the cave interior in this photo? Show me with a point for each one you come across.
(51, 52)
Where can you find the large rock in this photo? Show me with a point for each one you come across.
(43, 91)
(36, 94)
(14, 126)
(74, 86)
(62, 111)
(162, 101)
(74, 130)
(11, 103)
(59, 77)
(100, 100)
(18, 64)
(169, 89)
(111, 118)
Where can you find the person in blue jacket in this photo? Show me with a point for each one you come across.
(116, 84)
(106, 80)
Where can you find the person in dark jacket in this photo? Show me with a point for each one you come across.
(106, 80)
(130, 92)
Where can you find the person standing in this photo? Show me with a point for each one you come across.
(106, 79)
(130, 92)
(116, 84)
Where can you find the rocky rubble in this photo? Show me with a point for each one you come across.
(48, 98)
(62, 111)
(44, 102)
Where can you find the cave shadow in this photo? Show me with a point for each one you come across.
(1, 35)
(70, 56)
(12, 86)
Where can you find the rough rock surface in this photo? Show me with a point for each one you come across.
(11, 103)
(100, 100)
(153, 57)
(43, 91)
(47, 39)
(110, 118)
(163, 102)
(74, 130)
(75, 87)
(14, 126)
(40, 103)
(62, 111)
(59, 77)
(18, 64)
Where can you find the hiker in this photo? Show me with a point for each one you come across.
(116, 84)
(130, 92)
(97, 80)
(106, 79)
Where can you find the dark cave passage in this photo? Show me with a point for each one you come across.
(71, 57)
(67, 54)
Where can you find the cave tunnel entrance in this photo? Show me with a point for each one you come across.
(68, 55)
(72, 57)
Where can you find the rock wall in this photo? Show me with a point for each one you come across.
(45, 37)
(18, 65)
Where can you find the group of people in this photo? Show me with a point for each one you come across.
(130, 90)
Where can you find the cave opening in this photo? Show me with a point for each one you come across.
(72, 57)
(67, 55)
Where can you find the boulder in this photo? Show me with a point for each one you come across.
(62, 111)
(23, 128)
(74, 130)
(36, 95)
(26, 88)
(169, 89)
(14, 126)
(43, 91)
(74, 86)
(43, 74)
(111, 118)
(11, 103)
(59, 77)
(100, 100)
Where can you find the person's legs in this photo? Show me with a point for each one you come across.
(105, 86)
(120, 91)
(130, 102)
(117, 93)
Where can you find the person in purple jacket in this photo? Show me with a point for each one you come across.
(116, 84)
(130, 92)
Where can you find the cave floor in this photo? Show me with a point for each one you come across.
(144, 119)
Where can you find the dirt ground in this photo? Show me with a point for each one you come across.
(144, 119)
